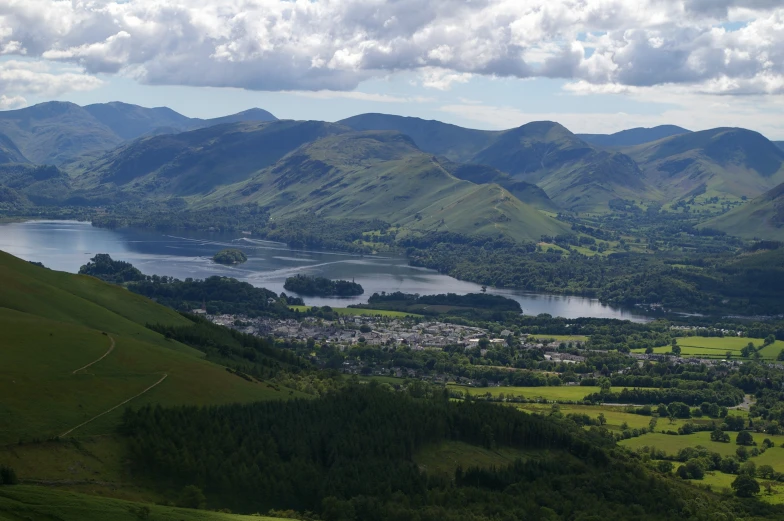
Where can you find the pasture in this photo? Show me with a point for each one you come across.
(672, 444)
(561, 338)
(351, 312)
(718, 347)
(574, 393)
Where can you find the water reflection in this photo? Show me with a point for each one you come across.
(67, 245)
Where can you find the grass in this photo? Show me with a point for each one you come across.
(562, 393)
(54, 323)
(361, 312)
(672, 444)
(444, 459)
(717, 347)
(615, 416)
(720, 482)
(24, 502)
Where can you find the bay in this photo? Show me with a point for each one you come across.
(67, 245)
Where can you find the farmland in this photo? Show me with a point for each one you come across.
(718, 347)
(571, 393)
(361, 311)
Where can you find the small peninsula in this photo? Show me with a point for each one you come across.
(322, 287)
(230, 257)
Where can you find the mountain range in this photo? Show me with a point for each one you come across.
(419, 174)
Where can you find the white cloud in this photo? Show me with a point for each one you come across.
(11, 102)
(337, 44)
(37, 78)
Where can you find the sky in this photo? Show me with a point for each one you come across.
(596, 66)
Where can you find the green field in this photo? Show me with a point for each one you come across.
(23, 502)
(561, 393)
(446, 457)
(561, 338)
(720, 482)
(717, 347)
(360, 311)
(615, 416)
(672, 444)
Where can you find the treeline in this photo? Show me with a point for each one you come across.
(352, 456)
(221, 295)
(322, 287)
(719, 393)
(680, 281)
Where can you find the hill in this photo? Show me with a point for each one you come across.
(367, 175)
(721, 162)
(633, 136)
(779, 144)
(9, 153)
(574, 175)
(195, 162)
(55, 323)
(760, 218)
(453, 142)
(36, 184)
(57, 132)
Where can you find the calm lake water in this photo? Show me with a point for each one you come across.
(67, 245)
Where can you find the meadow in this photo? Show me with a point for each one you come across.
(718, 347)
(574, 393)
(351, 312)
(38, 503)
(672, 444)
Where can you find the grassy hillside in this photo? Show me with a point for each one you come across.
(54, 132)
(39, 503)
(9, 153)
(760, 218)
(194, 162)
(575, 175)
(719, 162)
(384, 175)
(56, 323)
(633, 136)
(453, 142)
(36, 184)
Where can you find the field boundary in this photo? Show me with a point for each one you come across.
(66, 433)
(111, 348)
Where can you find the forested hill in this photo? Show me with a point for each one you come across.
(352, 456)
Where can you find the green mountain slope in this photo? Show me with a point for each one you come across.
(54, 132)
(633, 136)
(453, 142)
(724, 162)
(575, 175)
(131, 121)
(384, 175)
(195, 162)
(760, 218)
(55, 323)
(36, 184)
(58, 132)
(481, 174)
(9, 153)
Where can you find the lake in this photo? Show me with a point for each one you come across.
(67, 245)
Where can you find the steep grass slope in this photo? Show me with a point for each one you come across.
(384, 175)
(574, 175)
(193, 162)
(9, 153)
(725, 162)
(55, 323)
(760, 218)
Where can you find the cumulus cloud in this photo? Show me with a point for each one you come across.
(337, 44)
(11, 102)
(38, 78)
